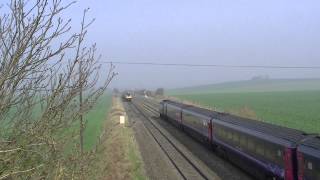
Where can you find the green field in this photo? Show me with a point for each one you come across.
(96, 118)
(294, 108)
(266, 85)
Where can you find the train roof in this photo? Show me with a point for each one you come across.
(202, 111)
(291, 135)
(288, 134)
(312, 142)
(311, 147)
(181, 105)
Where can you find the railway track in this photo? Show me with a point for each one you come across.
(220, 167)
(180, 160)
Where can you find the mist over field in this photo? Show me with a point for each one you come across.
(128, 89)
(253, 85)
(279, 33)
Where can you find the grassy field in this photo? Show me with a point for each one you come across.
(266, 85)
(96, 118)
(295, 109)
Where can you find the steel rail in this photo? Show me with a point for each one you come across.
(171, 143)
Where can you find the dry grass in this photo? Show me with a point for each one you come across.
(245, 112)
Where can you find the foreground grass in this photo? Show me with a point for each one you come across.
(294, 109)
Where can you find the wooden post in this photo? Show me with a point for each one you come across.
(81, 110)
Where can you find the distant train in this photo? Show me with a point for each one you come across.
(264, 150)
(127, 96)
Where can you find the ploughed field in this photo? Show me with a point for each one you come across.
(294, 109)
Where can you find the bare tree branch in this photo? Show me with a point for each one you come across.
(39, 86)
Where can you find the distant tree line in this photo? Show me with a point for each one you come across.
(260, 77)
(145, 92)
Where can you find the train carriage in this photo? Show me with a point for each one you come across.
(173, 112)
(197, 123)
(280, 163)
(184, 116)
(309, 159)
(251, 144)
(267, 151)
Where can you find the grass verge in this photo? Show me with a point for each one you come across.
(118, 155)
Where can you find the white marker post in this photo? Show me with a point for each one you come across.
(122, 119)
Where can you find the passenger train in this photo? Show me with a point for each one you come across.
(264, 150)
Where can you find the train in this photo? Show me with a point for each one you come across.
(127, 96)
(264, 150)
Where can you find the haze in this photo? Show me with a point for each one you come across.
(242, 32)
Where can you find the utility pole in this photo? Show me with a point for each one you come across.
(81, 110)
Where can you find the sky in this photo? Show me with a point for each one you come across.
(229, 32)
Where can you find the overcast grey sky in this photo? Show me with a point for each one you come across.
(231, 32)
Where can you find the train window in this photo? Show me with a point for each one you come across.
(251, 145)
(218, 131)
(273, 153)
(279, 153)
(309, 165)
(243, 141)
(270, 152)
(223, 133)
(260, 147)
(229, 135)
(280, 160)
(235, 138)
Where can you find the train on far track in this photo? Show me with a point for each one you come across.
(127, 96)
(264, 150)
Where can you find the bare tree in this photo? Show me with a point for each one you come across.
(44, 68)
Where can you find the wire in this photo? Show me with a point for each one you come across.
(212, 65)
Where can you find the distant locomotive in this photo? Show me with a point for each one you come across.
(264, 150)
(127, 97)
